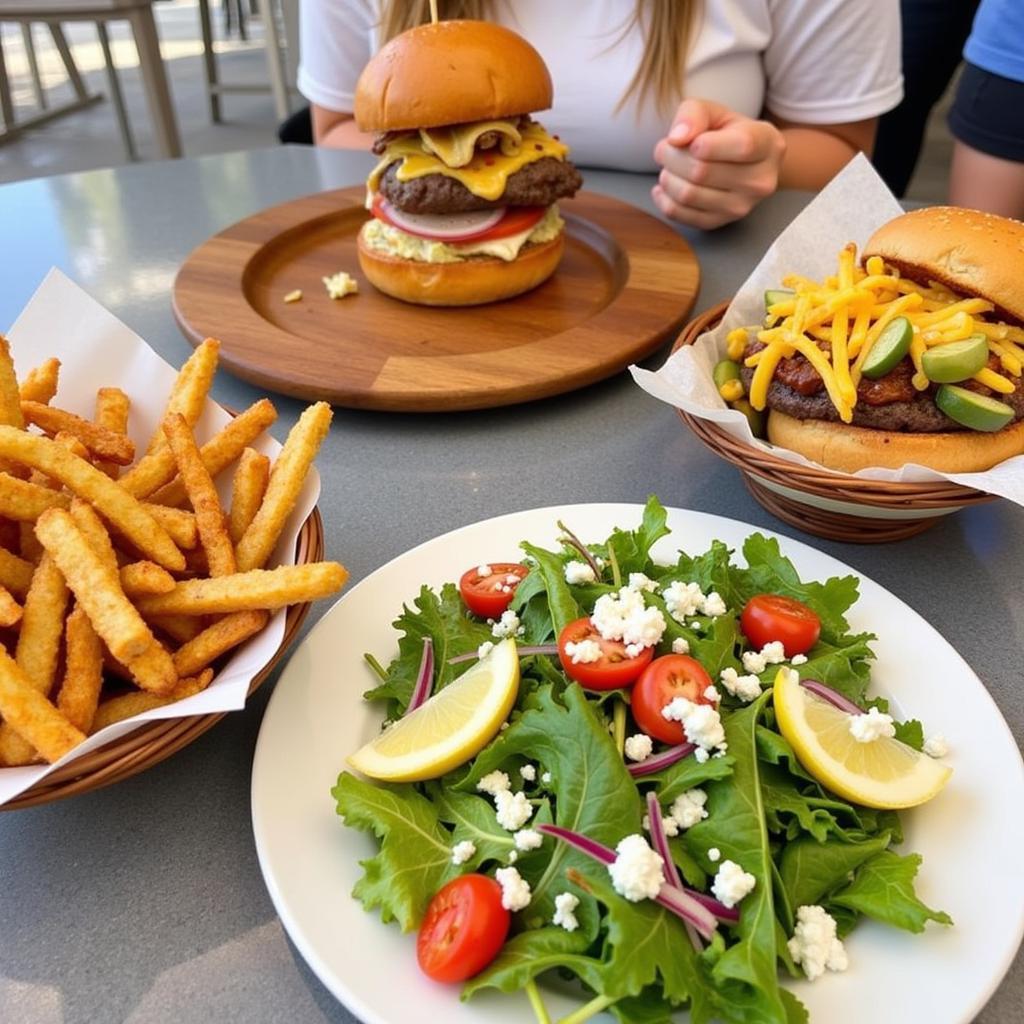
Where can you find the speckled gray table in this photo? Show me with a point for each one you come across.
(144, 902)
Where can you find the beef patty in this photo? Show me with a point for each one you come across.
(540, 183)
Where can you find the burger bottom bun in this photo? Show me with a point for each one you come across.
(470, 282)
(841, 447)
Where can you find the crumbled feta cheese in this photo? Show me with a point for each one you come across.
(579, 572)
(815, 945)
(689, 808)
(639, 747)
(341, 284)
(515, 890)
(513, 856)
(713, 605)
(483, 569)
(565, 904)
(680, 645)
(546, 778)
(513, 809)
(493, 783)
(637, 871)
(669, 825)
(697, 626)
(507, 625)
(584, 652)
(711, 694)
(754, 661)
(294, 296)
(798, 659)
(625, 617)
(641, 581)
(714, 855)
(461, 852)
(683, 599)
(701, 722)
(527, 839)
(528, 772)
(773, 653)
(731, 883)
(869, 727)
(700, 755)
(484, 649)
(746, 688)
(936, 746)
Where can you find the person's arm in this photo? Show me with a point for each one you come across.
(337, 129)
(815, 153)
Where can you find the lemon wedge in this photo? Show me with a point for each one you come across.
(884, 773)
(451, 727)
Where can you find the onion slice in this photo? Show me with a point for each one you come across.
(728, 914)
(678, 902)
(523, 652)
(447, 227)
(659, 840)
(663, 760)
(826, 693)
(424, 678)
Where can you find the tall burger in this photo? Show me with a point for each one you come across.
(463, 198)
(915, 356)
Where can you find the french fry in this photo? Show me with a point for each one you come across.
(188, 396)
(42, 625)
(10, 399)
(15, 573)
(31, 715)
(40, 384)
(213, 533)
(30, 548)
(286, 479)
(25, 501)
(214, 641)
(117, 709)
(119, 507)
(153, 471)
(112, 407)
(10, 610)
(94, 532)
(9, 533)
(180, 628)
(181, 525)
(83, 672)
(95, 585)
(73, 445)
(248, 486)
(153, 670)
(103, 443)
(140, 578)
(246, 591)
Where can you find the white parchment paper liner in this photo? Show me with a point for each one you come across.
(97, 350)
(848, 209)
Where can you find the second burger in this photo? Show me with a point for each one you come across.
(463, 198)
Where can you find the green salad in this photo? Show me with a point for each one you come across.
(539, 854)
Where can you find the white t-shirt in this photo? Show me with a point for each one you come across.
(807, 61)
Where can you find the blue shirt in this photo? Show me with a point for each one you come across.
(996, 43)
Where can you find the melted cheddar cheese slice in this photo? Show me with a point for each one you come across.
(486, 173)
(456, 144)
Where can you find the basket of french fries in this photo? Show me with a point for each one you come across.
(867, 376)
(144, 589)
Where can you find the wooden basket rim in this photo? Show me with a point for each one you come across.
(815, 480)
(153, 742)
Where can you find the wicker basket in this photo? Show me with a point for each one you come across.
(153, 741)
(819, 501)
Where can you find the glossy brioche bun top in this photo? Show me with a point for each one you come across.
(970, 252)
(450, 73)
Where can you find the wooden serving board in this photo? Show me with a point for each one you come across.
(625, 285)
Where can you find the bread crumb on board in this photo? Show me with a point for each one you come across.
(341, 284)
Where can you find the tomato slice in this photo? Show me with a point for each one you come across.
(667, 677)
(768, 617)
(489, 594)
(464, 928)
(516, 219)
(614, 669)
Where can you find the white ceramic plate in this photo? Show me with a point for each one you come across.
(971, 836)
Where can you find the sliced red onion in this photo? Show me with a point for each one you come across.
(663, 760)
(680, 903)
(826, 693)
(523, 652)
(720, 910)
(425, 678)
(453, 227)
(573, 541)
(659, 840)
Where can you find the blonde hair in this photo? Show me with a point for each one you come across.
(667, 26)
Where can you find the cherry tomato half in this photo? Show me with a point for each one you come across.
(667, 677)
(769, 617)
(464, 928)
(490, 594)
(615, 667)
